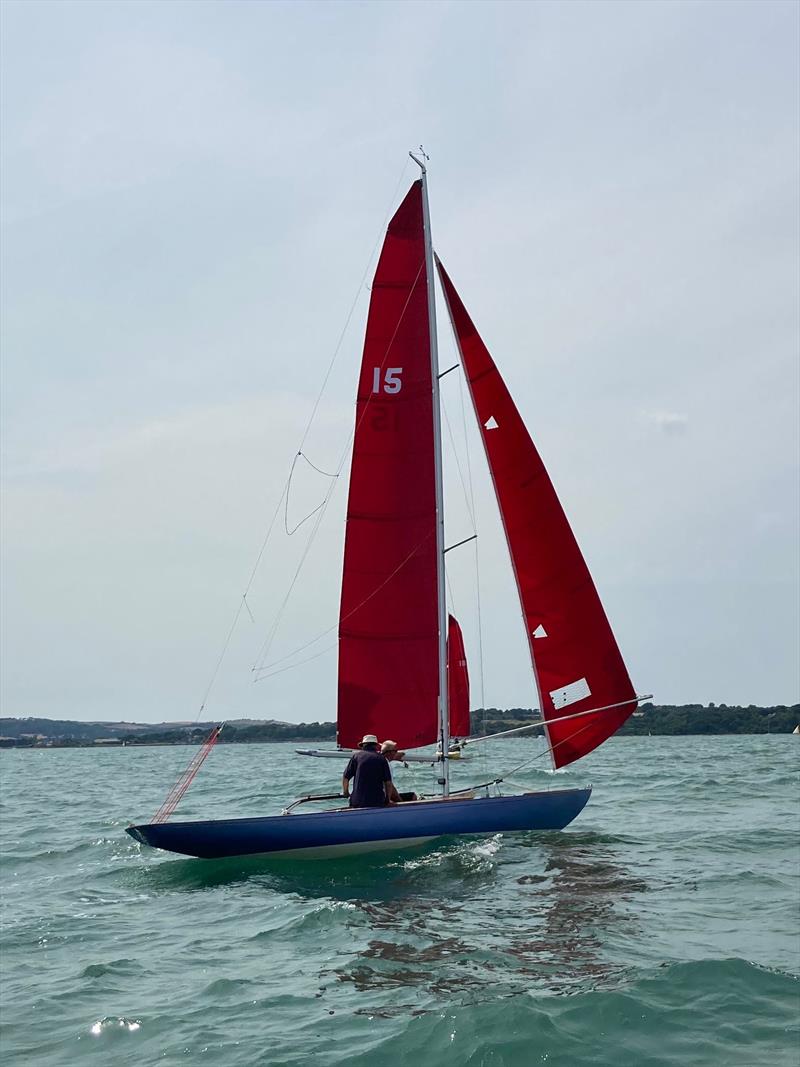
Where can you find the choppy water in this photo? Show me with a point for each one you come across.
(661, 928)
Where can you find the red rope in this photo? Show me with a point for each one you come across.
(176, 793)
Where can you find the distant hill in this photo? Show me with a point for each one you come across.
(87, 731)
(68, 733)
(650, 719)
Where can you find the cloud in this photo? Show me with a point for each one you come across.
(669, 422)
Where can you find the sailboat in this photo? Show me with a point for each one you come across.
(402, 668)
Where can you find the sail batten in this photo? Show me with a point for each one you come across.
(576, 662)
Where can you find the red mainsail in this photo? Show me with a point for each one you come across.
(457, 681)
(388, 619)
(576, 660)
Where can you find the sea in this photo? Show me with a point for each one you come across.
(661, 928)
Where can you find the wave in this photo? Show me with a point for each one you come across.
(725, 1013)
(113, 967)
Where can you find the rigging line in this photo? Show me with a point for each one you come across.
(264, 651)
(466, 439)
(316, 468)
(450, 591)
(242, 603)
(547, 749)
(559, 718)
(270, 528)
(368, 400)
(339, 343)
(286, 500)
(291, 666)
(303, 521)
(458, 466)
(175, 794)
(289, 533)
(350, 613)
(502, 778)
(470, 505)
(262, 549)
(480, 628)
(477, 555)
(469, 500)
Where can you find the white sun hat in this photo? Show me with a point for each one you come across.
(368, 739)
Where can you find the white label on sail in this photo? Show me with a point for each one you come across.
(569, 694)
(540, 631)
(491, 423)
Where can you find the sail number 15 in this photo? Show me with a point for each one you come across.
(391, 380)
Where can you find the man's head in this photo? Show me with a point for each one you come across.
(389, 750)
(370, 743)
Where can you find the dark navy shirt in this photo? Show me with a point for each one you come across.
(370, 770)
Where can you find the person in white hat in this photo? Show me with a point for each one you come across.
(370, 774)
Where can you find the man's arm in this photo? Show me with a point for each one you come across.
(388, 785)
(395, 796)
(349, 772)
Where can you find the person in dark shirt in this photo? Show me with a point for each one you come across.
(370, 774)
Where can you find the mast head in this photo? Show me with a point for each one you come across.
(418, 161)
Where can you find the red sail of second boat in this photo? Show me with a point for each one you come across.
(457, 681)
(388, 621)
(576, 660)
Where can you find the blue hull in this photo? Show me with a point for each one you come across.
(363, 829)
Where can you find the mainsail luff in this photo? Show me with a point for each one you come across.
(577, 664)
(388, 621)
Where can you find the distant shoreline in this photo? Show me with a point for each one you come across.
(192, 744)
(651, 720)
(154, 744)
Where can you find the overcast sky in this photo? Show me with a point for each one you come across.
(191, 195)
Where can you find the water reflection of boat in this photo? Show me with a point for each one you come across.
(546, 932)
(581, 899)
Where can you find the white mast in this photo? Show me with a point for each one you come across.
(444, 722)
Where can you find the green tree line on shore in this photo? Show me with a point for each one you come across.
(651, 719)
(667, 720)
